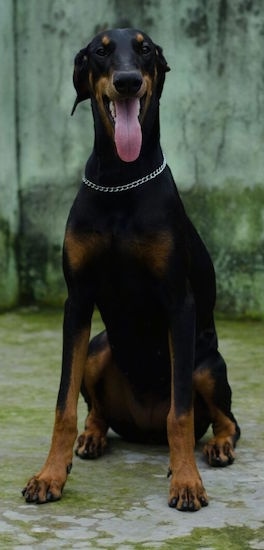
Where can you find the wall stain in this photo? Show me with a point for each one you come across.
(195, 25)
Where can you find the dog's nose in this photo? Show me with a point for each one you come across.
(127, 82)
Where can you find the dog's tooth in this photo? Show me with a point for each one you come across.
(112, 109)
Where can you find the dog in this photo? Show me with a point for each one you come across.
(155, 374)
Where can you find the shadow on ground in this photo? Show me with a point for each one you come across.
(120, 501)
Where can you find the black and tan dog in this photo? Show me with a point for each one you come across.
(130, 250)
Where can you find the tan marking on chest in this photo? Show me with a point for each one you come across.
(81, 250)
(154, 251)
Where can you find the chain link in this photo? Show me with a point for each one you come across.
(128, 186)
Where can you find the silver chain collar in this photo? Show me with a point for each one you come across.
(128, 186)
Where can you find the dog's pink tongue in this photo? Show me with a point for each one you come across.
(128, 137)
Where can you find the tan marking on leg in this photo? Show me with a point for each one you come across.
(92, 441)
(49, 482)
(204, 383)
(186, 488)
(65, 427)
(96, 365)
(220, 448)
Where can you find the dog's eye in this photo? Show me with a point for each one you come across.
(101, 51)
(145, 48)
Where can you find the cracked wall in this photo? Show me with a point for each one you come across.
(211, 125)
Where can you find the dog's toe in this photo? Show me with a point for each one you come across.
(90, 446)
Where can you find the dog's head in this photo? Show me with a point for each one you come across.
(122, 70)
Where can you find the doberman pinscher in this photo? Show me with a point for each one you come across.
(155, 373)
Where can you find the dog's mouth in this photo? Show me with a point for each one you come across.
(125, 115)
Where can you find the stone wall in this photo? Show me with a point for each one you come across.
(212, 133)
(9, 202)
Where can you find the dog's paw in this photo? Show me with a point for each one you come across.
(90, 445)
(46, 486)
(219, 451)
(188, 496)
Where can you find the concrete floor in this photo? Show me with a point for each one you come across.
(120, 501)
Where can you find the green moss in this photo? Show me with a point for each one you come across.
(233, 538)
(231, 222)
(8, 269)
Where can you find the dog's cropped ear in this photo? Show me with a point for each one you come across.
(81, 77)
(162, 68)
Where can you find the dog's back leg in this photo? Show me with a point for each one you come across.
(92, 442)
(210, 381)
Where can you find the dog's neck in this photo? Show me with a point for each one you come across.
(105, 168)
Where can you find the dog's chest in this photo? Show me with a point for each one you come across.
(95, 251)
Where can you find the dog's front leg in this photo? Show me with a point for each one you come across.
(48, 484)
(186, 489)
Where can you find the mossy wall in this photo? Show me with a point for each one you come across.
(9, 208)
(212, 129)
(231, 222)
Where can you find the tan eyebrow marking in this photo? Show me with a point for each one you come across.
(105, 40)
(139, 37)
